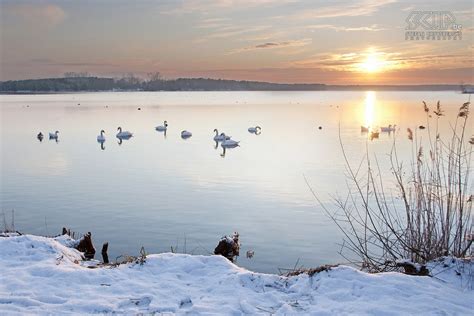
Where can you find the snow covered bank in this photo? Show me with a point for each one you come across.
(42, 275)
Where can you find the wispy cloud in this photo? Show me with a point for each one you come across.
(388, 60)
(40, 13)
(227, 32)
(213, 22)
(348, 9)
(371, 28)
(273, 45)
(207, 6)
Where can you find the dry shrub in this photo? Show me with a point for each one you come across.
(428, 217)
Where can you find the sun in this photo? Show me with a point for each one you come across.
(372, 63)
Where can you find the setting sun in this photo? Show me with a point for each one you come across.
(372, 63)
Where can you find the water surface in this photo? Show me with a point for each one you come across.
(161, 191)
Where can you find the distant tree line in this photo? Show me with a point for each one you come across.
(155, 82)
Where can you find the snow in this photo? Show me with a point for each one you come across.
(41, 275)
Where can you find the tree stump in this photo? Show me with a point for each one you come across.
(85, 245)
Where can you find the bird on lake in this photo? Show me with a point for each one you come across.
(40, 136)
(389, 128)
(53, 135)
(229, 143)
(101, 137)
(374, 135)
(185, 134)
(124, 134)
(255, 130)
(221, 137)
(421, 127)
(162, 128)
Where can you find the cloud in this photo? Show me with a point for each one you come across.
(207, 6)
(371, 28)
(227, 32)
(213, 23)
(366, 7)
(272, 45)
(388, 59)
(48, 14)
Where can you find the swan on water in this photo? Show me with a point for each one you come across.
(221, 137)
(389, 128)
(186, 134)
(53, 135)
(364, 129)
(162, 128)
(101, 137)
(229, 143)
(125, 134)
(255, 130)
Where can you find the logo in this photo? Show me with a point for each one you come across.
(432, 25)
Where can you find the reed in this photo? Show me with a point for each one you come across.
(427, 215)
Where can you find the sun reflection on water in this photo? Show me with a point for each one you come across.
(370, 99)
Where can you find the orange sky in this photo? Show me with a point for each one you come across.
(335, 42)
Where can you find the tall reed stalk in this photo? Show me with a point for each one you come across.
(429, 213)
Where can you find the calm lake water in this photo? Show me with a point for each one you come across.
(161, 191)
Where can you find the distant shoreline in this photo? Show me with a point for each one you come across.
(96, 84)
(329, 88)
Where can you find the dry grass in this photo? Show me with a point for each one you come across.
(428, 217)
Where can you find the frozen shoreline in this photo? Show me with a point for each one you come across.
(42, 275)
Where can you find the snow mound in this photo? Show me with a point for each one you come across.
(43, 276)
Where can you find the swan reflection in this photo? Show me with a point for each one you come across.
(228, 144)
(102, 146)
(121, 139)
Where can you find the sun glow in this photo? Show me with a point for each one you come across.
(372, 63)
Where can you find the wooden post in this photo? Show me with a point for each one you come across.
(105, 257)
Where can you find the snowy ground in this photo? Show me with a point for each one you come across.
(40, 275)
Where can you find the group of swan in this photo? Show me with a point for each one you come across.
(52, 135)
(389, 128)
(225, 140)
(384, 129)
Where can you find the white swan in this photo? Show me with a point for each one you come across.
(101, 137)
(221, 137)
(186, 134)
(255, 129)
(229, 143)
(53, 135)
(125, 134)
(162, 128)
(390, 128)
